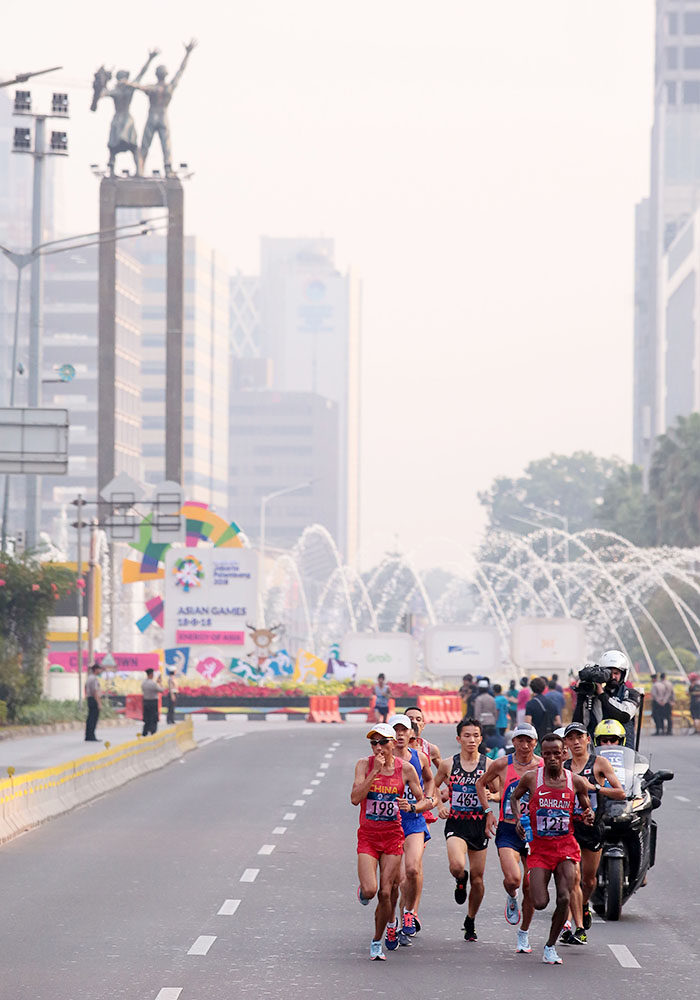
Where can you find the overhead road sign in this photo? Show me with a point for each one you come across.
(33, 441)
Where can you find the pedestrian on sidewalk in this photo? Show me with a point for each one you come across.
(172, 697)
(661, 696)
(93, 694)
(151, 690)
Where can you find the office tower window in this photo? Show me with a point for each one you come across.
(672, 57)
(691, 92)
(670, 93)
(672, 24)
(691, 57)
(691, 23)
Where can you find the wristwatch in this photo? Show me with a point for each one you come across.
(413, 807)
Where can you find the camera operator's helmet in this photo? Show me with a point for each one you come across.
(609, 727)
(613, 659)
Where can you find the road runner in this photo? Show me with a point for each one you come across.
(379, 790)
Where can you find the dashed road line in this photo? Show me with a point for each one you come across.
(228, 907)
(279, 830)
(320, 774)
(624, 956)
(308, 791)
(289, 816)
(682, 798)
(266, 849)
(315, 782)
(328, 756)
(169, 993)
(250, 874)
(202, 944)
(336, 744)
(299, 802)
(324, 765)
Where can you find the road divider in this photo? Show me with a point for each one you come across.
(26, 800)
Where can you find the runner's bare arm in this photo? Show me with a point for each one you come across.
(488, 780)
(362, 783)
(435, 755)
(442, 776)
(410, 778)
(429, 790)
(604, 771)
(526, 784)
(581, 789)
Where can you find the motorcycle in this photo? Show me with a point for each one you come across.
(628, 831)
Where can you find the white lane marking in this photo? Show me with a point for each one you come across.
(266, 849)
(682, 798)
(315, 782)
(279, 830)
(328, 756)
(169, 993)
(207, 739)
(289, 816)
(228, 907)
(299, 802)
(336, 744)
(320, 774)
(202, 944)
(233, 736)
(324, 765)
(308, 791)
(250, 874)
(624, 956)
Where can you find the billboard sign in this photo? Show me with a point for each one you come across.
(455, 650)
(537, 644)
(210, 595)
(389, 653)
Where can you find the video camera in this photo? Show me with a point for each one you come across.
(590, 675)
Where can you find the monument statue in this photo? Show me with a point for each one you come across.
(122, 133)
(159, 95)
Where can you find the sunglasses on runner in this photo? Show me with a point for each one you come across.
(382, 743)
(608, 739)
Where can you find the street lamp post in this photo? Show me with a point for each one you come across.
(264, 500)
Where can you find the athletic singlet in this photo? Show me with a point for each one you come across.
(551, 809)
(381, 805)
(425, 748)
(415, 760)
(464, 802)
(510, 783)
(588, 773)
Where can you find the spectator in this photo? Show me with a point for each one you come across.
(539, 712)
(151, 690)
(382, 693)
(523, 698)
(468, 693)
(694, 695)
(485, 710)
(660, 704)
(555, 695)
(93, 694)
(557, 685)
(501, 709)
(512, 696)
(172, 697)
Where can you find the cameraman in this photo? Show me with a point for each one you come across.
(601, 694)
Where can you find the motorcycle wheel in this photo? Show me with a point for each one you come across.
(614, 881)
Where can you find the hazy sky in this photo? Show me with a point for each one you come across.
(477, 164)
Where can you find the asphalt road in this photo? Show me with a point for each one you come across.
(232, 873)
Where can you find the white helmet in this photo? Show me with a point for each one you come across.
(613, 659)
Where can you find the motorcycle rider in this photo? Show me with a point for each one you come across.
(611, 732)
(610, 699)
(603, 784)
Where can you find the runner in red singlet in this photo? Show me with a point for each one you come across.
(431, 750)
(379, 789)
(554, 850)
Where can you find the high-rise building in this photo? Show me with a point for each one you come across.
(309, 328)
(206, 375)
(663, 231)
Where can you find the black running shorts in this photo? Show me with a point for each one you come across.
(589, 837)
(473, 831)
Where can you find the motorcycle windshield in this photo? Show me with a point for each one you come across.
(622, 760)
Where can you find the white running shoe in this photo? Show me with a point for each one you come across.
(512, 910)
(550, 956)
(375, 952)
(523, 943)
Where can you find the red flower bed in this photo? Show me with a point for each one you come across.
(400, 692)
(237, 689)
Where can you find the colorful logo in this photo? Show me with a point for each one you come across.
(188, 573)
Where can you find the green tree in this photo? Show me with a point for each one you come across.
(626, 509)
(571, 486)
(674, 484)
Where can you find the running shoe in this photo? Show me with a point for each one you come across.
(523, 943)
(417, 922)
(391, 940)
(404, 941)
(512, 910)
(587, 919)
(409, 923)
(361, 897)
(550, 956)
(461, 889)
(469, 932)
(566, 937)
(375, 952)
(579, 936)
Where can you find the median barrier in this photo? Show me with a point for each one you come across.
(324, 708)
(26, 800)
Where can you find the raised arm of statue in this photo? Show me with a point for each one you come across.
(176, 79)
(151, 56)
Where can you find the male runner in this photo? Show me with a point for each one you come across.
(602, 782)
(465, 829)
(431, 750)
(416, 836)
(552, 791)
(379, 790)
(512, 849)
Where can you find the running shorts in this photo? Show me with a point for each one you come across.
(378, 842)
(548, 856)
(506, 836)
(414, 823)
(473, 831)
(589, 838)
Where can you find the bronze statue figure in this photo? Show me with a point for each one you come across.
(122, 133)
(159, 95)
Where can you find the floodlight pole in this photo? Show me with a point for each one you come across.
(80, 503)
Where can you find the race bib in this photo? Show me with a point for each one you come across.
(464, 799)
(552, 822)
(508, 808)
(382, 806)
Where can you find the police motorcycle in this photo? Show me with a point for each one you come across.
(628, 832)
